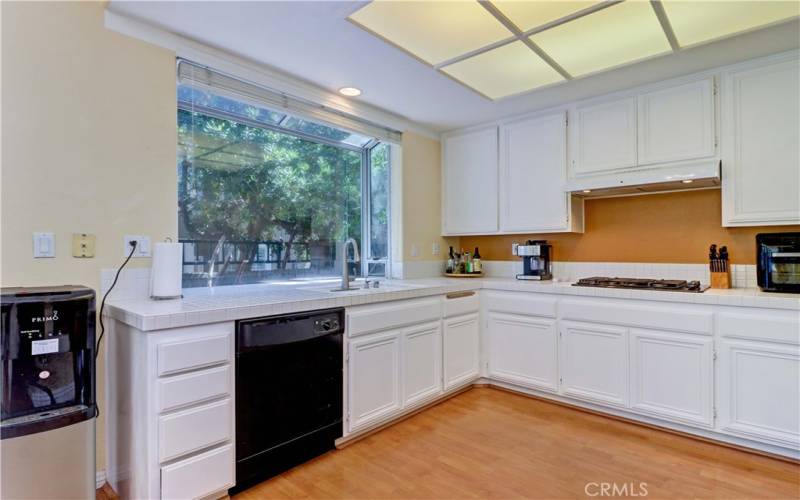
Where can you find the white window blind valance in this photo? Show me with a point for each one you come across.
(202, 76)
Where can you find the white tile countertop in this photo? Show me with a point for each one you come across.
(229, 303)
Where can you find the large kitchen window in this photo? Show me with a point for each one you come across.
(265, 196)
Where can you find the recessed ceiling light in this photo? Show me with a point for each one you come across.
(617, 35)
(507, 70)
(350, 91)
(687, 181)
(529, 15)
(587, 190)
(698, 22)
(432, 31)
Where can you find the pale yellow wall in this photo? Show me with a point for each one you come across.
(88, 144)
(422, 209)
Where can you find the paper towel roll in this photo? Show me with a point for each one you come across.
(166, 271)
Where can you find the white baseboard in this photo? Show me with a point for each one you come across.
(100, 478)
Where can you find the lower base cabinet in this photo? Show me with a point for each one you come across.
(671, 376)
(461, 341)
(373, 378)
(759, 391)
(523, 350)
(594, 362)
(422, 363)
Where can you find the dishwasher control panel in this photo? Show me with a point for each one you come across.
(327, 324)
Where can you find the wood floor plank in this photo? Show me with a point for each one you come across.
(487, 443)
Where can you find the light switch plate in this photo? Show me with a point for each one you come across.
(414, 251)
(83, 245)
(44, 245)
(142, 245)
(435, 249)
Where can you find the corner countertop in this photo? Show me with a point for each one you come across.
(229, 303)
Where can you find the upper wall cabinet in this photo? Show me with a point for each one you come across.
(604, 136)
(676, 123)
(661, 126)
(533, 170)
(469, 177)
(760, 153)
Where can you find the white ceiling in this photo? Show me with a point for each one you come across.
(315, 42)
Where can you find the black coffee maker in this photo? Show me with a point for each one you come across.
(536, 263)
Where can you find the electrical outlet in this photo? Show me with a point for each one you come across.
(435, 249)
(414, 251)
(142, 245)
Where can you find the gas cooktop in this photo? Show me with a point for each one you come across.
(642, 284)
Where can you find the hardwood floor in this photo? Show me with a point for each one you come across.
(487, 443)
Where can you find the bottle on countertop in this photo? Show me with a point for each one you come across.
(477, 266)
(451, 262)
(467, 263)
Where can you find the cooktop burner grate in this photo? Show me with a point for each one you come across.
(642, 284)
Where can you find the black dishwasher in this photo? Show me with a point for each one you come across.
(288, 391)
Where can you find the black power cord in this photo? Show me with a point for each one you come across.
(103, 306)
(103, 302)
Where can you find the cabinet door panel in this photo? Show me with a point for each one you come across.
(533, 159)
(461, 350)
(470, 182)
(523, 350)
(759, 391)
(671, 376)
(676, 123)
(594, 362)
(761, 124)
(422, 363)
(605, 136)
(374, 385)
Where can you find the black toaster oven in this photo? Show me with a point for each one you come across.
(778, 266)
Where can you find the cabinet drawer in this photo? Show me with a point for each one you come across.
(195, 387)
(200, 475)
(182, 355)
(458, 303)
(679, 318)
(194, 429)
(368, 319)
(526, 304)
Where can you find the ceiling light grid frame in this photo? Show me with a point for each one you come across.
(517, 34)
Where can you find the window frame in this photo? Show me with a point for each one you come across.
(366, 175)
(366, 210)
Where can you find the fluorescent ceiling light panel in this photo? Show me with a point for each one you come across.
(702, 21)
(434, 31)
(614, 36)
(504, 71)
(529, 15)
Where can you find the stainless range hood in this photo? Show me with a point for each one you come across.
(683, 176)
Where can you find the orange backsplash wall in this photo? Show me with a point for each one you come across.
(669, 228)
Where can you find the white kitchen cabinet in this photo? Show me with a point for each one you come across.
(461, 344)
(533, 172)
(671, 376)
(759, 391)
(469, 182)
(523, 350)
(421, 370)
(760, 154)
(170, 405)
(594, 362)
(373, 378)
(604, 136)
(676, 123)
